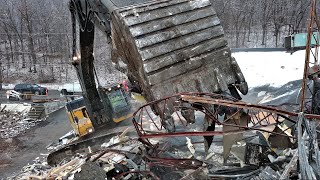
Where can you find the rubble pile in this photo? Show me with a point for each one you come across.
(117, 158)
(38, 167)
(130, 159)
(15, 122)
(266, 143)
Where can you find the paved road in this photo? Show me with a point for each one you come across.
(25, 148)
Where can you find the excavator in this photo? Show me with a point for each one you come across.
(164, 46)
(167, 47)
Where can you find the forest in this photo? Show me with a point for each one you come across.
(36, 38)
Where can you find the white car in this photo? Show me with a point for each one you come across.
(7, 86)
(70, 88)
(13, 95)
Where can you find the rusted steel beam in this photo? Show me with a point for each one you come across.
(208, 133)
(235, 104)
(213, 95)
(243, 105)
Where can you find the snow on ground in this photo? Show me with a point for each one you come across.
(259, 69)
(273, 68)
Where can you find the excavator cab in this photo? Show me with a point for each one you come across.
(78, 117)
(116, 100)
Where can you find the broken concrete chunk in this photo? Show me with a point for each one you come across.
(201, 173)
(115, 140)
(90, 170)
(190, 146)
(112, 158)
(269, 173)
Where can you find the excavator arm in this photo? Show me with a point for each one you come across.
(83, 61)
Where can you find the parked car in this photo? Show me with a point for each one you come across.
(70, 88)
(7, 86)
(31, 88)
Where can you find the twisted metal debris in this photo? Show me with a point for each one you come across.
(225, 112)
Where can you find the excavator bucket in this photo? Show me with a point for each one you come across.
(173, 46)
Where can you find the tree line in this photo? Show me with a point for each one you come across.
(251, 23)
(35, 35)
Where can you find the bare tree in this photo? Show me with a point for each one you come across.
(14, 23)
(251, 8)
(238, 16)
(5, 25)
(266, 10)
(298, 14)
(27, 15)
(279, 17)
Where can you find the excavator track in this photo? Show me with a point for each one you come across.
(175, 46)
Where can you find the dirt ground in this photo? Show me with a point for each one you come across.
(23, 149)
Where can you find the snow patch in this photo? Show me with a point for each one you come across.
(263, 68)
(262, 93)
(271, 98)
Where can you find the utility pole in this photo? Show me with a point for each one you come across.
(311, 67)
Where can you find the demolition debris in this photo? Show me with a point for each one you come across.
(152, 153)
(15, 119)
